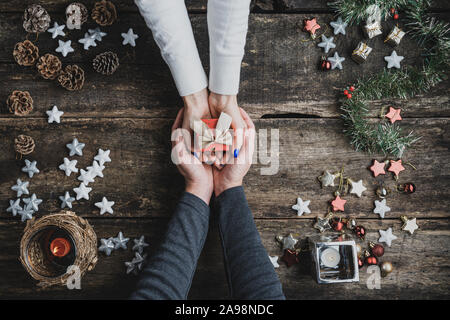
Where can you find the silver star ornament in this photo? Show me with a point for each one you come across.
(288, 242)
(105, 206)
(106, 246)
(102, 156)
(57, 30)
(120, 241)
(54, 115)
(357, 188)
(386, 236)
(338, 26)
(139, 244)
(33, 201)
(26, 213)
(327, 43)
(82, 192)
(322, 224)
(64, 47)
(129, 38)
(30, 168)
(136, 264)
(69, 166)
(86, 176)
(96, 169)
(14, 207)
(409, 225)
(76, 147)
(327, 179)
(301, 207)
(66, 200)
(88, 41)
(336, 61)
(381, 208)
(97, 33)
(393, 61)
(21, 188)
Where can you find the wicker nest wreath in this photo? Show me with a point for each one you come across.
(33, 252)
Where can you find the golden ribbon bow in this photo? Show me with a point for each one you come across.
(208, 136)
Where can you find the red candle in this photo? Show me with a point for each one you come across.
(60, 247)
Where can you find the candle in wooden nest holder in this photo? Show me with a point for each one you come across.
(60, 247)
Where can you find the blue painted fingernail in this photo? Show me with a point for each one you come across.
(196, 155)
(236, 153)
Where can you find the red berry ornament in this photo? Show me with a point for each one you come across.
(371, 260)
(349, 96)
(345, 92)
(376, 249)
(396, 16)
(352, 88)
(325, 65)
(360, 232)
(360, 263)
(392, 10)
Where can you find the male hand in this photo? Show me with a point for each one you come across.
(233, 173)
(198, 176)
(224, 103)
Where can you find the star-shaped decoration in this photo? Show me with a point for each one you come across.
(327, 179)
(311, 26)
(136, 264)
(396, 167)
(274, 261)
(33, 201)
(54, 115)
(377, 168)
(107, 246)
(288, 242)
(129, 38)
(393, 60)
(327, 43)
(97, 34)
(30, 168)
(357, 188)
(102, 157)
(336, 61)
(290, 257)
(96, 169)
(381, 208)
(76, 148)
(120, 241)
(105, 206)
(386, 236)
(338, 204)
(21, 187)
(393, 114)
(409, 225)
(338, 26)
(64, 47)
(66, 200)
(82, 192)
(26, 213)
(322, 224)
(139, 244)
(69, 166)
(301, 207)
(14, 206)
(88, 41)
(86, 177)
(57, 30)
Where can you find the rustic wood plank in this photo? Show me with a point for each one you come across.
(279, 76)
(143, 181)
(421, 263)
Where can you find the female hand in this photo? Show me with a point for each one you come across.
(198, 176)
(233, 173)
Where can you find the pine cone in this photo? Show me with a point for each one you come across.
(49, 66)
(25, 53)
(106, 63)
(72, 12)
(36, 19)
(20, 103)
(72, 78)
(104, 13)
(24, 144)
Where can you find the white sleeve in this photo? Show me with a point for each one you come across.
(172, 31)
(227, 26)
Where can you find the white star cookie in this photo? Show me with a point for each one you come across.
(129, 38)
(357, 188)
(393, 61)
(381, 208)
(54, 115)
(301, 206)
(386, 236)
(105, 206)
(69, 166)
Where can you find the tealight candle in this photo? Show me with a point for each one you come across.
(330, 257)
(60, 247)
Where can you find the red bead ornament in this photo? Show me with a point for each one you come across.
(352, 88)
(408, 188)
(325, 65)
(345, 92)
(360, 232)
(376, 249)
(349, 96)
(392, 10)
(396, 16)
(372, 260)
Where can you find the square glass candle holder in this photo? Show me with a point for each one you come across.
(334, 259)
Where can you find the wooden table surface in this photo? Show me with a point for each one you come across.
(130, 113)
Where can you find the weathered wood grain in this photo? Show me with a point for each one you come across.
(279, 75)
(421, 263)
(143, 182)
